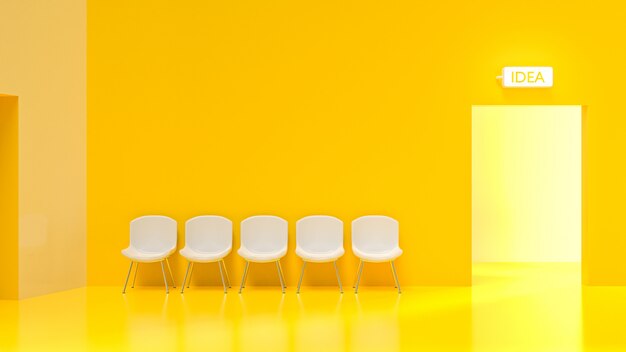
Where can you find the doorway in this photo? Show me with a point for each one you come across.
(526, 184)
(526, 225)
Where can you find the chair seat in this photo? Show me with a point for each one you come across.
(261, 257)
(203, 257)
(146, 257)
(377, 257)
(317, 257)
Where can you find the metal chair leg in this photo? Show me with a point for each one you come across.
(356, 275)
(185, 281)
(127, 277)
(167, 289)
(358, 279)
(338, 279)
(245, 276)
(280, 276)
(190, 275)
(135, 276)
(301, 276)
(226, 272)
(395, 276)
(171, 275)
(222, 276)
(245, 281)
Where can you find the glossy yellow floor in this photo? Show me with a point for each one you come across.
(511, 307)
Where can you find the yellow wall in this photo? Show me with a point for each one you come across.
(43, 61)
(9, 199)
(345, 108)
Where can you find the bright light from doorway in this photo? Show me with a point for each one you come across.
(526, 183)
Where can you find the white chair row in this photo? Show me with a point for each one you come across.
(264, 238)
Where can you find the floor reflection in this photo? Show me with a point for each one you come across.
(604, 318)
(534, 306)
(511, 307)
(375, 322)
(436, 319)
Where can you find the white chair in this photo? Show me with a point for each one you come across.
(375, 240)
(208, 239)
(152, 240)
(263, 240)
(319, 239)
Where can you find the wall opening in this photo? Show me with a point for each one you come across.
(526, 184)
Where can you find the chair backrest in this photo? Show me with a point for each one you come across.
(209, 233)
(319, 233)
(153, 233)
(264, 233)
(374, 233)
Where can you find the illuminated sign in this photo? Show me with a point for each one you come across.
(527, 77)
